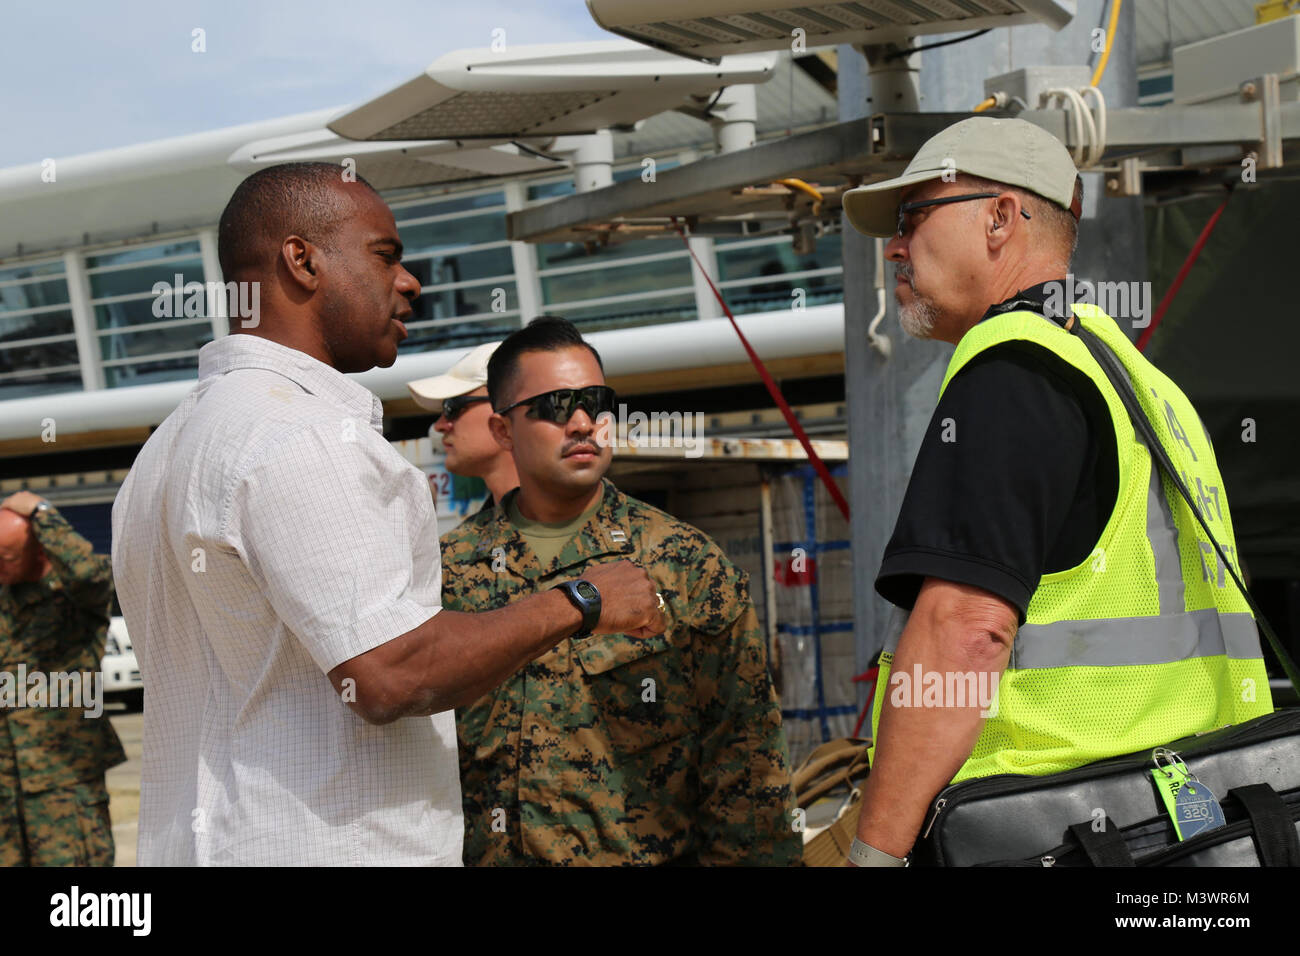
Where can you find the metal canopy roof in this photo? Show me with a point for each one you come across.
(1181, 148)
(791, 101)
(1162, 25)
(712, 28)
(183, 183)
(547, 90)
(392, 165)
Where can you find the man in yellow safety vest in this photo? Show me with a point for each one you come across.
(1065, 605)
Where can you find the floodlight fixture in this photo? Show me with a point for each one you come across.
(544, 90)
(708, 29)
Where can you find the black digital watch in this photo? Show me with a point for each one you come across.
(584, 596)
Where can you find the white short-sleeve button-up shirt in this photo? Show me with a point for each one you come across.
(267, 533)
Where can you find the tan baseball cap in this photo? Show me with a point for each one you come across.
(465, 376)
(1011, 151)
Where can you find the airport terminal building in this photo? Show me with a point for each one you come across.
(109, 286)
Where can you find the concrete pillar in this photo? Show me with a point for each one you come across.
(523, 255)
(218, 306)
(83, 321)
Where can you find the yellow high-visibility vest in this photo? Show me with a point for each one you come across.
(1147, 639)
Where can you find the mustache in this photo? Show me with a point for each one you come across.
(580, 444)
(903, 270)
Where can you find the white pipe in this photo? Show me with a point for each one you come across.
(593, 161)
(878, 341)
(654, 348)
(736, 118)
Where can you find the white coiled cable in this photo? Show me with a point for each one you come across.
(1089, 129)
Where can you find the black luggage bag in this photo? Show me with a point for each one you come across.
(1109, 813)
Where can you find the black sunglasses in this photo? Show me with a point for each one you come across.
(559, 405)
(906, 207)
(452, 407)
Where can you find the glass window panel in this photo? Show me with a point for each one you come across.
(52, 268)
(35, 326)
(443, 207)
(127, 281)
(147, 373)
(615, 315)
(22, 358)
(439, 270)
(621, 280)
(636, 172)
(555, 254)
(178, 338)
(143, 253)
(778, 295)
(470, 231)
(122, 315)
(448, 303)
(460, 335)
(563, 187)
(33, 295)
(42, 383)
(775, 259)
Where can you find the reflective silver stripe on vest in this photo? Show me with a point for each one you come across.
(1113, 642)
(1163, 535)
(1174, 635)
(894, 628)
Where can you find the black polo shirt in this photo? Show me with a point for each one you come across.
(1016, 477)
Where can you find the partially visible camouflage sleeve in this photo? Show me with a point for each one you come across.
(58, 626)
(86, 577)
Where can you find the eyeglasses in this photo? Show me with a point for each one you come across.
(453, 407)
(559, 405)
(906, 207)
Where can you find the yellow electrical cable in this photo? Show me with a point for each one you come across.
(802, 187)
(984, 104)
(1110, 36)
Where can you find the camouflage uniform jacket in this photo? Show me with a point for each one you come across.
(55, 625)
(612, 750)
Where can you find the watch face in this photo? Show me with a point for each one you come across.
(587, 591)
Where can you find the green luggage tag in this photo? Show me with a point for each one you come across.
(1190, 804)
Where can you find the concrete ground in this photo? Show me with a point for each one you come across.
(124, 782)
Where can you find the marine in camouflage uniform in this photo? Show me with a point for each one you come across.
(53, 800)
(612, 750)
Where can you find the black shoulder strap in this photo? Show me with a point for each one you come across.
(1272, 829)
(1102, 848)
(1118, 376)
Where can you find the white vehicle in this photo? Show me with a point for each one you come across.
(121, 670)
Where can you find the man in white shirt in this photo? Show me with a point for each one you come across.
(277, 564)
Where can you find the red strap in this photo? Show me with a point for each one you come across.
(1182, 274)
(870, 678)
(820, 466)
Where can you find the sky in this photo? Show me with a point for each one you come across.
(79, 76)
